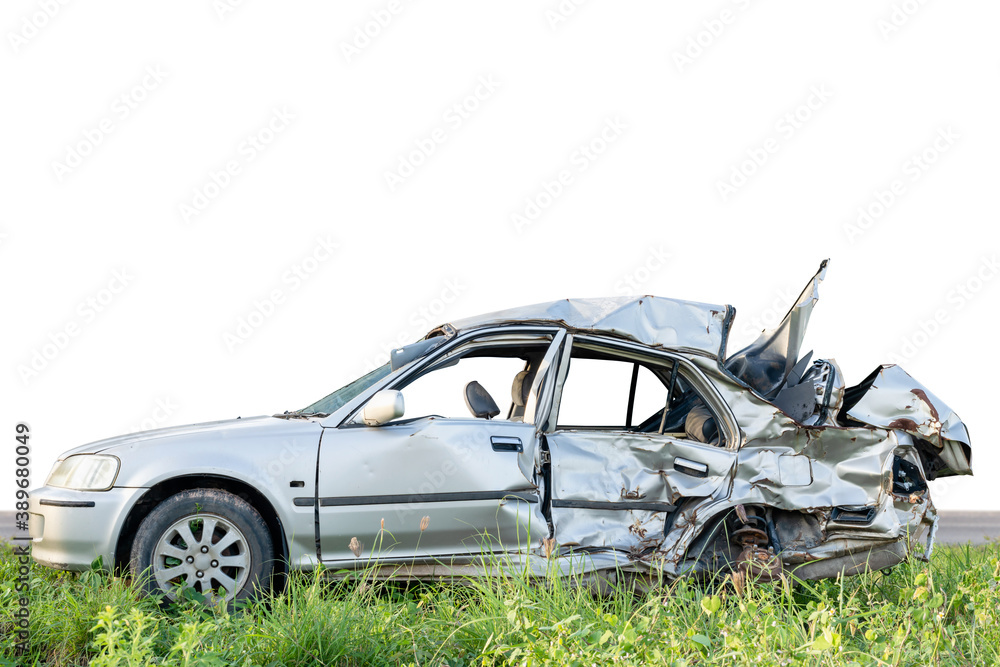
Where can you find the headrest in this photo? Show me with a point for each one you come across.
(479, 401)
(521, 387)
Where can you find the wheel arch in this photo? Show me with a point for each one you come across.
(169, 487)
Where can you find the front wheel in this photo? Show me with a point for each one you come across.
(208, 539)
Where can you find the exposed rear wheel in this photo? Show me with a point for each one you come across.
(207, 539)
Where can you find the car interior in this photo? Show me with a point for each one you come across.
(468, 383)
(632, 389)
(603, 391)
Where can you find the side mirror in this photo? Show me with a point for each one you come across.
(383, 407)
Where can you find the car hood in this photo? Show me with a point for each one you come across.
(217, 432)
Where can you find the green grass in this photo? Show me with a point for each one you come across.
(946, 612)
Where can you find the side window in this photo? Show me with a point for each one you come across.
(442, 391)
(501, 375)
(598, 395)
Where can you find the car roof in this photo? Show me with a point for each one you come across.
(650, 320)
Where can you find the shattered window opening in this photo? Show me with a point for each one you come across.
(599, 391)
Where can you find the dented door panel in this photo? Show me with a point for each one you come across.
(615, 489)
(611, 467)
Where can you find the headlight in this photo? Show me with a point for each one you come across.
(85, 472)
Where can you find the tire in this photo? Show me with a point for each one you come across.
(208, 539)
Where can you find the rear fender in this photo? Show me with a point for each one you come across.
(890, 398)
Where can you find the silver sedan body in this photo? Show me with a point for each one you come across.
(630, 442)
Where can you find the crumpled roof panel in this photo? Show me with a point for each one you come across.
(652, 320)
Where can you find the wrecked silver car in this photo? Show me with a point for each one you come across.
(629, 440)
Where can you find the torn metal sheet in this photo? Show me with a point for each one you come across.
(850, 472)
(766, 363)
(815, 397)
(890, 398)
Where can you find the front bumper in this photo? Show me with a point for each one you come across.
(69, 529)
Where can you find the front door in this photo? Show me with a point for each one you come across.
(440, 483)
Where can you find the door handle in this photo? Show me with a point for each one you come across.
(689, 467)
(505, 443)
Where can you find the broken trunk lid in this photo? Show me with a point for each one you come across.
(890, 398)
(766, 363)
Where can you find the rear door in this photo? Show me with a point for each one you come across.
(619, 466)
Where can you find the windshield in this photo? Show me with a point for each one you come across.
(337, 399)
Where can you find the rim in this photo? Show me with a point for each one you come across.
(206, 552)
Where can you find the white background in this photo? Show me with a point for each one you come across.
(687, 93)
